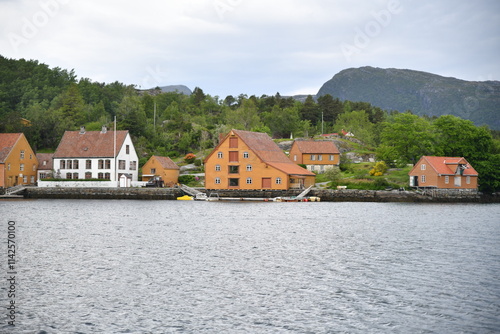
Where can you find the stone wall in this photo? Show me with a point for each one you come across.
(326, 195)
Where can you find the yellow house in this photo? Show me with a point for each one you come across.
(251, 160)
(316, 155)
(18, 162)
(161, 166)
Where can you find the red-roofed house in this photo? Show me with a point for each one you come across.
(18, 162)
(443, 173)
(92, 155)
(161, 166)
(316, 155)
(252, 160)
(45, 165)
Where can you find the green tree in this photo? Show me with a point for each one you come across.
(405, 138)
(244, 117)
(358, 123)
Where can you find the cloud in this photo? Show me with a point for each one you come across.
(252, 47)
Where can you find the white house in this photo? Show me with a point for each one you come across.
(105, 155)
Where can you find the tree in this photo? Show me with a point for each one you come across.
(310, 110)
(358, 123)
(244, 117)
(404, 139)
(283, 122)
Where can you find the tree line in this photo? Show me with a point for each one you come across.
(44, 102)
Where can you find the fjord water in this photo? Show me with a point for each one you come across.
(119, 266)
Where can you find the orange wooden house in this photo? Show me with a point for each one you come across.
(443, 173)
(161, 166)
(252, 160)
(317, 155)
(18, 162)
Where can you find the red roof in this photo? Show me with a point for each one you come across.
(89, 144)
(166, 162)
(449, 165)
(45, 158)
(312, 146)
(7, 142)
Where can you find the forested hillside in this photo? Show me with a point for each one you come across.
(43, 102)
(420, 92)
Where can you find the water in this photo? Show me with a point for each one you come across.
(104, 266)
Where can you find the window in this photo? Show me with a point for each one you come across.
(100, 176)
(75, 164)
(423, 167)
(8, 166)
(75, 176)
(249, 180)
(34, 167)
(31, 156)
(233, 142)
(62, 164)
(88, 175)
(43, 175)
(422, 178)
(278, 180)
(88, 164)
(331, 157)
(249, 168)
(217, 180)
(108, 164)
(69, 176)
(295, 157)
(233, 156)
(127, 149)
(22, 155)
(246, 155)
(153, 170)
(100, 164)
(320, 157)
(107, 176)
(313, 157)
(217, 168)
(467, 179)
(446, 179)
(25, 179)
(32, 179)
(21, 167)
(234, 182)
(133, 165)
(220, 155)
(121, 164)
(69, 164)
(234, 169)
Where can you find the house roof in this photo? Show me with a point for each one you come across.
(89, 144)
(448, 165)
(166, 162)
(267, 151)
(312, 146)
(47, 157)
(7, 142)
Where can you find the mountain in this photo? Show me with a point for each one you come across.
(422, 93)
(167, 89)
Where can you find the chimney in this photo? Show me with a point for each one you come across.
(82, 130)
(104, 129)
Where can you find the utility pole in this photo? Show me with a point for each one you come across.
(321, 122)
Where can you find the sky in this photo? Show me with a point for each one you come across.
(252, 47)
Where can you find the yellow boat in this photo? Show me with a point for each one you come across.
(185, 198)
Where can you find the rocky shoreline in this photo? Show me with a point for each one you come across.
(326, 195)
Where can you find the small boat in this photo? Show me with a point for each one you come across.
(185, 198)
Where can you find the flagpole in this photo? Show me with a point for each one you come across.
(114, 151)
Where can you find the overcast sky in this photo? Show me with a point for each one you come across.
(254, 47)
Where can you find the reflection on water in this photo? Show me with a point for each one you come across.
(212, 267)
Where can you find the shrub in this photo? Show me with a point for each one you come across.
(379, 169)
(189, 158)
(186, 179)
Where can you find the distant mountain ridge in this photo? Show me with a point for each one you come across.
(421, 92)
(167, 89)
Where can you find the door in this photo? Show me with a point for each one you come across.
(458, 181)
(266, 182)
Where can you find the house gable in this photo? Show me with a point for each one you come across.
(17, 160)
(443, 173)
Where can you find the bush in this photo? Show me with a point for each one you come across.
(189, 158)
(186, 179)
(379, 169)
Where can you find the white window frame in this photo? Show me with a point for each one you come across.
(278, 180)
(249, 180)
(217, 180)
(423, 167)
(249, 168)
(217, 168)
(422, 178)
(220, 155)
